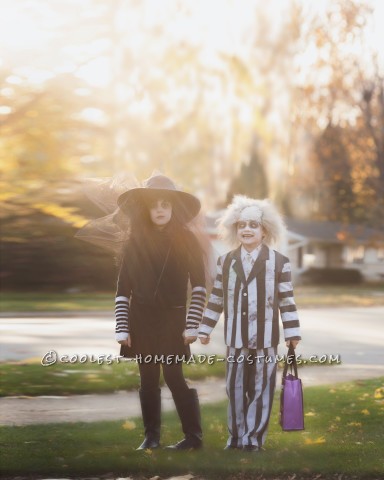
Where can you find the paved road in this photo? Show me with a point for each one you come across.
(355, 334)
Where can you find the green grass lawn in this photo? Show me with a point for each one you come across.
(344, 435)
(56, 302)
(32, 379)
(306, 296)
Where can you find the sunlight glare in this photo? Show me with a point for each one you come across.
(18, 30)
(147, 29)
(96, 73)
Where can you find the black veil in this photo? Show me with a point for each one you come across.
(112, 230)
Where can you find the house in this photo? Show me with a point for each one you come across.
(323, 244)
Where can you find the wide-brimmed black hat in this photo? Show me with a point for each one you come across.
(185, 205)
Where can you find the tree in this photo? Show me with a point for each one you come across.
(252, 180)
(334, 187)
(339, 98)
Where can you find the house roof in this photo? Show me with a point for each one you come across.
(334, 231)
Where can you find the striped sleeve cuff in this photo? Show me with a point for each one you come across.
(212, 315)
(191, 332)
(290, 320)
(205, 330)
(121, 336)
(121, 316)
(196, 309)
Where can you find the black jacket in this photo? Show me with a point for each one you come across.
(154, 279)
(155, 270)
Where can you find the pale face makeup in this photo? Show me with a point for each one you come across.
(250, 234)
(160, 212)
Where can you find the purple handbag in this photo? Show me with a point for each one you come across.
(291, 397)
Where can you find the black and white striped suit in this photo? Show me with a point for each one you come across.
(251, 314)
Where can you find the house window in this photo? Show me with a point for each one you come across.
(356, 254)
(309, 257)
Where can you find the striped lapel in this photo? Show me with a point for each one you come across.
(238, 265)
(259, 264)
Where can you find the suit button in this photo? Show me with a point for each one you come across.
(245, 294)
(244, 313)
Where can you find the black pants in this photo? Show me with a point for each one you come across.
(173, 376)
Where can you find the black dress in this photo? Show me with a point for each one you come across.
(154, 274)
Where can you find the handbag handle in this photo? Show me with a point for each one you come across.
(290, 361)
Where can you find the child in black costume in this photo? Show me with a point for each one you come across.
(152, 322)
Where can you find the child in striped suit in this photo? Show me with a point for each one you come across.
(252, 286)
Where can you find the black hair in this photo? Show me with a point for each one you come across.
(140, 225)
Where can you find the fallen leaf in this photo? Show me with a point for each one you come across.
(332, 428)
(318, 441)
(365, 412)
(129, 425)
(354, 424)
(363, 397)
(379, 393)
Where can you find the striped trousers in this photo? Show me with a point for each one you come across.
(250, 383)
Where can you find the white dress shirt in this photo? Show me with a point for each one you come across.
(249, 258)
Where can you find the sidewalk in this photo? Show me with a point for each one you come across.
(15, 411)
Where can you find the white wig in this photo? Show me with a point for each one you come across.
(264, 212)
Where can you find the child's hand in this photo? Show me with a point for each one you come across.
(126, 342)
(188, 340)
(205, 340)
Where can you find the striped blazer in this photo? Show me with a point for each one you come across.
(251, 305)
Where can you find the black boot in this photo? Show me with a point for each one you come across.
(151, 411)
(188, 408)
